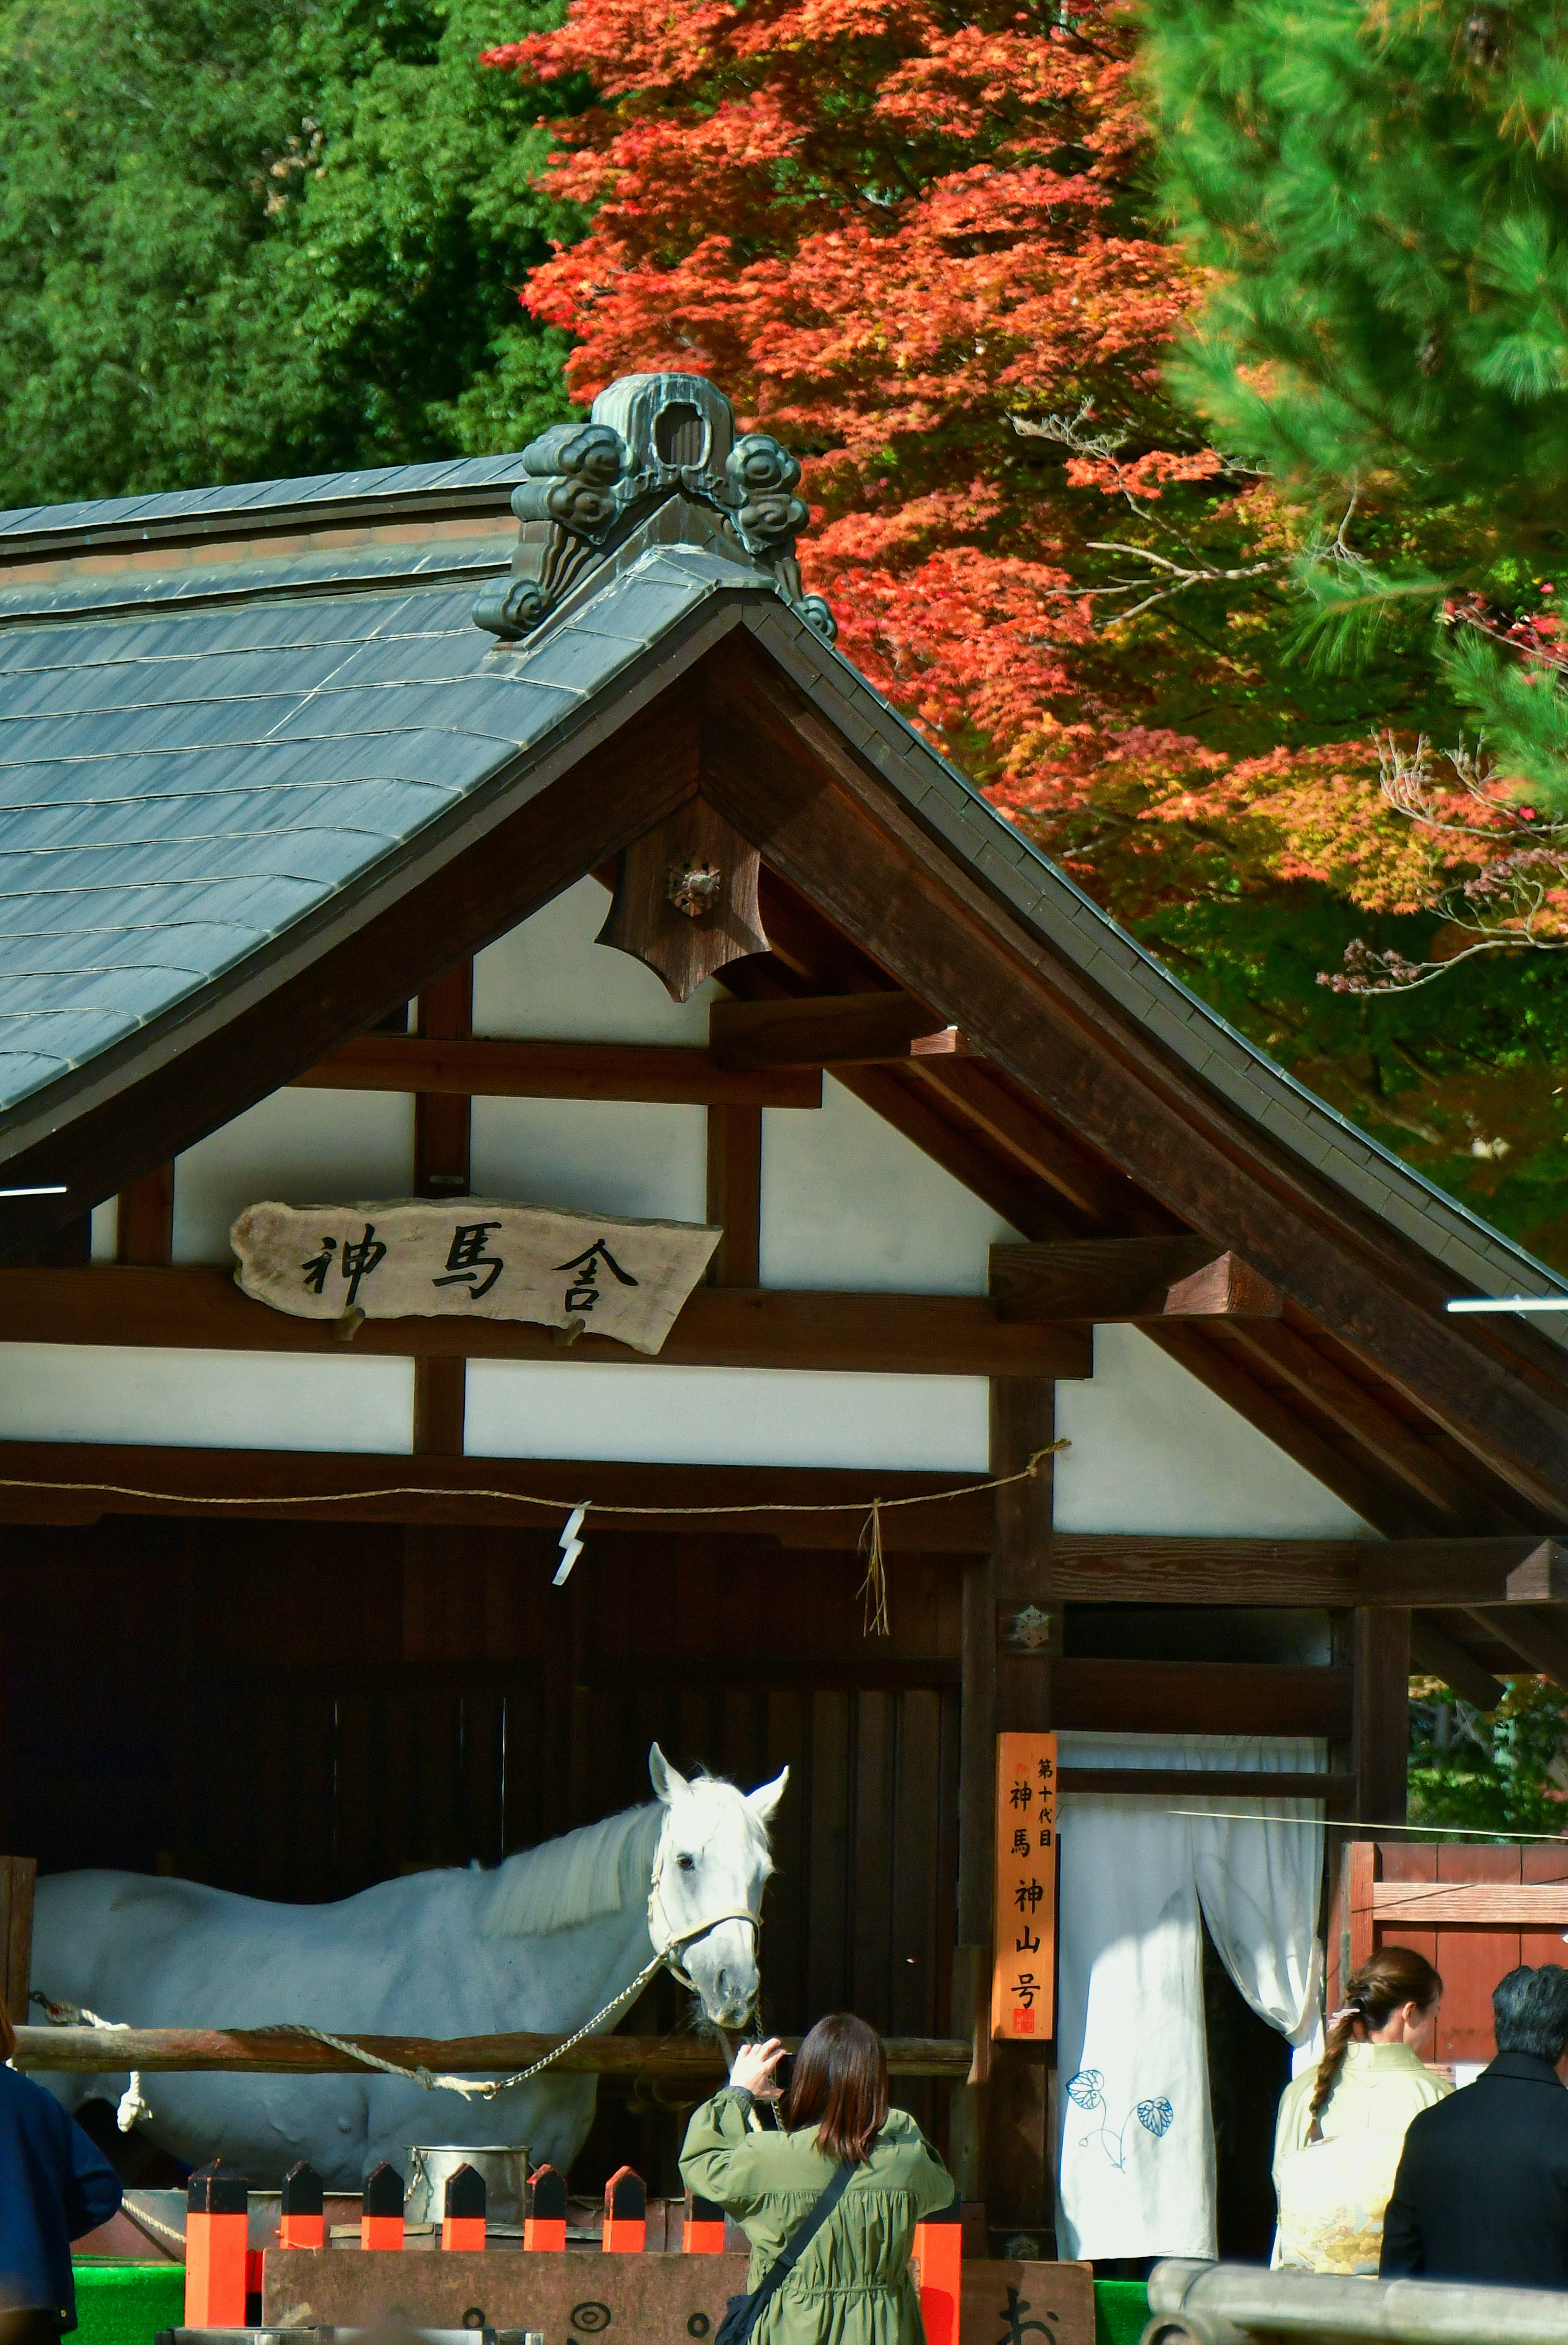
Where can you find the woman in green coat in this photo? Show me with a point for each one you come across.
(853, 2284)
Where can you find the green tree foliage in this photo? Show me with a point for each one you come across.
(1381, 186)
(239, 240)
(1499, 1770)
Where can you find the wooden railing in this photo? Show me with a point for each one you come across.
(110, 2052)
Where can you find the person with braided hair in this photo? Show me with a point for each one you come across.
(1341, 2125)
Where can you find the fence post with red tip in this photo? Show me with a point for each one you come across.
(704, 2231)
(217, 2236)
(462, 2213)
(382, 2207)
(544, 2221)
(302, 2217)
(625, 2214)
(939, 2272)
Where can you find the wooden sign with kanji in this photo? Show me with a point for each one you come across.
(1023, 1981)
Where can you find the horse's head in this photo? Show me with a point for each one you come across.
(711, 1867)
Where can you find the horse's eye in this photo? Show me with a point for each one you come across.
(687, 1864)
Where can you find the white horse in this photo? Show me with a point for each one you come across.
(539, 1946)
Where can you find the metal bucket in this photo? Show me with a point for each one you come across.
(505, 2172)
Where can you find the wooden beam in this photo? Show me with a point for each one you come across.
(1387, 1506)
(1478, 1905)
(1356, 1411)
(840, 832)
(1131, 1567)
(1220, 1785)
(200, 1308)
(144, 1228)
(90, 2051)
(1201, 1697)
(846, 1029)
(1017, 1195)
(1438, 1654)
(1504, 1569)
(80, 1481)
(1106, 1280)
(487, 1068)
(1094, 1189)
(735, 1194)
(1539, 1644)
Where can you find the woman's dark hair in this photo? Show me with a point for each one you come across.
(1395, 1974)
(839, 2086)
(7, 2033)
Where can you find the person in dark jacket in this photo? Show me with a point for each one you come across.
(1481, 2191)
(55, 2188)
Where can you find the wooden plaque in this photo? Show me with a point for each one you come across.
(1022, 1977)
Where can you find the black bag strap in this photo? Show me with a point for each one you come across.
(799, 2239)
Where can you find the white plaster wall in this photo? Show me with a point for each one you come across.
(549, 977)
(303, 1147)
(603, 1156)
(105, 1229)
(849, 1203)
(1155, 1450)
(725, 1417)
(204, 1400)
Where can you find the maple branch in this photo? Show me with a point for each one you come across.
(1181, 575)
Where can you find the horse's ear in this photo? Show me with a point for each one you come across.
(666, 1780)
(767, 1797)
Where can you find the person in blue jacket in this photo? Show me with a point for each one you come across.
(55, 2187)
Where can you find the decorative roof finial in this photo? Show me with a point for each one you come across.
(593, 486)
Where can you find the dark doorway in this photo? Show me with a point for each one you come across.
(1249, 2068)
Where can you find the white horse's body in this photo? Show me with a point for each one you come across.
(536, 1946)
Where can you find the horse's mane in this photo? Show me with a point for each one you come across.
(584, 1875)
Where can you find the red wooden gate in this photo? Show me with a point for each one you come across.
(1476, 1912)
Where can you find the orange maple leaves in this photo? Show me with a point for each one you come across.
(915, 247)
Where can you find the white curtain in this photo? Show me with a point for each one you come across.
(1136, 2136)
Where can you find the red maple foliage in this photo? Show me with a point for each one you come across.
(914, 243)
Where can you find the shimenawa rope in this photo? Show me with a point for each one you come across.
(873, 1589)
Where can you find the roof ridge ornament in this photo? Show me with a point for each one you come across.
(589, 485)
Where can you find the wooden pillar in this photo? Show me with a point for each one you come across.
(443, 1133)
(1000, 2132)
(1380, 1648)
(18, 1875)
(735, 1194)
(145, 1227)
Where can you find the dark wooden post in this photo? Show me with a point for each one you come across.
(1000, 2131)
(734, 1194)
(18, 1876)
(1380, 1648)
(302, 2208)
(145, 1232)
(625, 2214)
(702, 2233)
(381, 2208)
(444, 1132)
(217, 2237)
(463, 2210)
(544, 2221)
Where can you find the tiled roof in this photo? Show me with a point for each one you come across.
(192, 761)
